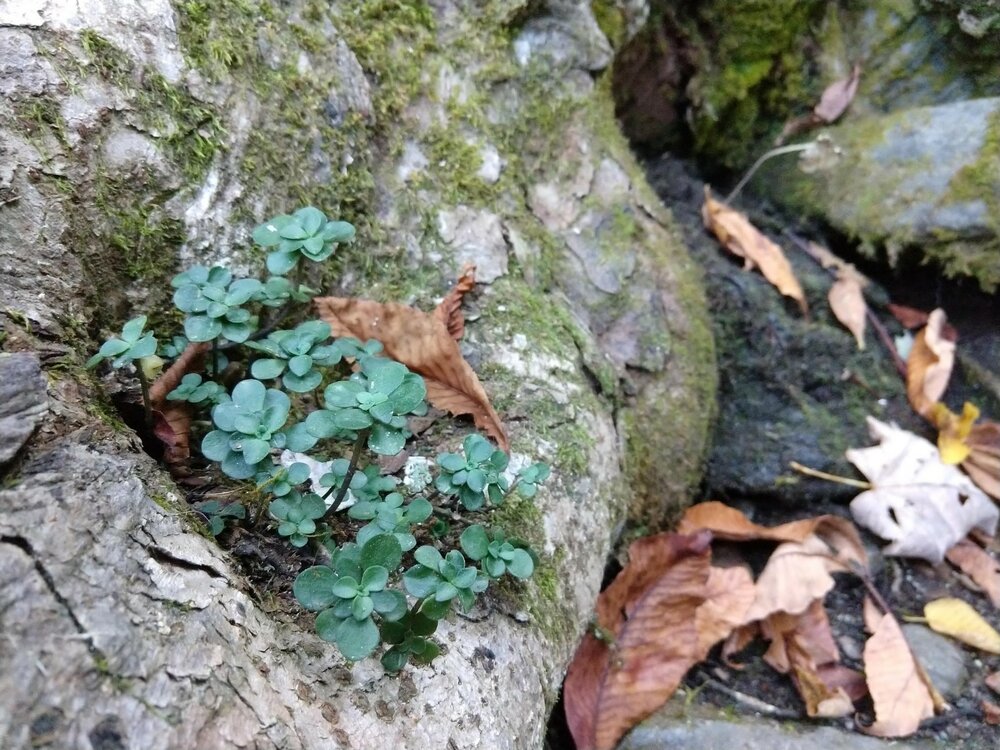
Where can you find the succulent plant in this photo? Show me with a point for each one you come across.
(495, 554)
(133, 344)
(193, 390)
(296, 355)
(213, 302)
(306, 233)
(247, 428)
(474, 476)
(297, 514)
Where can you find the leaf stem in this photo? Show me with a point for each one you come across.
(756, 165)
(829, 477)
(352, 468)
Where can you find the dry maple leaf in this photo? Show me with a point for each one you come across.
(896, 682)
(663, 611)
(929, 365)
(449, 311)
(921, 505)
(955, 618)
(979, 565)
(421, 342)
(742, 238)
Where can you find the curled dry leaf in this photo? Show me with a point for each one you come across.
(837, 97)
(921, 505)
(912, 318)
(172, 421)
(742, 238)
(983, 462)
(449, 311)
(796, 574)
(955, 618)
(870, 614)
(901, 696)
(929, 366)
(848, 302)
(421, 342)
(192, 359)
(835, 100)
(979, 565)
(803, 646)
(664, 611)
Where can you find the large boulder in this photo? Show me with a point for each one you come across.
(143, 137)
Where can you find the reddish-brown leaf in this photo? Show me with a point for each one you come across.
(991, 712)
(650, 610)
(172, 427)
(421, 342)
(900, 694)
(993, 682)
(912, 318)
(192, 359)
(979, 565)
(449, 311)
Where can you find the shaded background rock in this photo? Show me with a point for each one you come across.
(140, 140)
(23, 402)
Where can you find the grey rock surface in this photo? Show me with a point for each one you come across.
(922, 183)
(23, 401)
(750, 734)
(943, 659)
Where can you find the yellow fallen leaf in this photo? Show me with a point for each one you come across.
(742, 238)
(955, 618)
(954, 431)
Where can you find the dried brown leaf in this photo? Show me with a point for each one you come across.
(871, 614)
(725, 522)
(983, 462)
(796, 574)
(848, 302)
(192, 359)
(837, 97)
(928, 368)
(991, 712)
(421, 342)
(742, 238)
(902, 699)
(651, 610)
(172, 427)
(729, 593)
(449, 311)
(979, 565)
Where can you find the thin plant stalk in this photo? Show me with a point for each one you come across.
(793, 148)
(359, 445)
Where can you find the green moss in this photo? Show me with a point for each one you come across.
(752, 72)
(611, 21)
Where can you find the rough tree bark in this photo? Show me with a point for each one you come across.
(143, 136)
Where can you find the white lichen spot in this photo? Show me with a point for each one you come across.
(417, 473)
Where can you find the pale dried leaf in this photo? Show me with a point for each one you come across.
(991, 712)
(729, 593)
(837, 97)
(796, 574)
(921, 505)
(422, 343)
(870, 614)
(901, 698)
(979, 565)
(957, 619)
(848, 302)
(742, 238)
(929, 365)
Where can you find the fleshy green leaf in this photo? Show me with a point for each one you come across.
(475, 543)
(313, 587)
(266, 369)
(383, 550)
(356, 639)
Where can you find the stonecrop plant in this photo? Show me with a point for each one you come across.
(300, 398)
